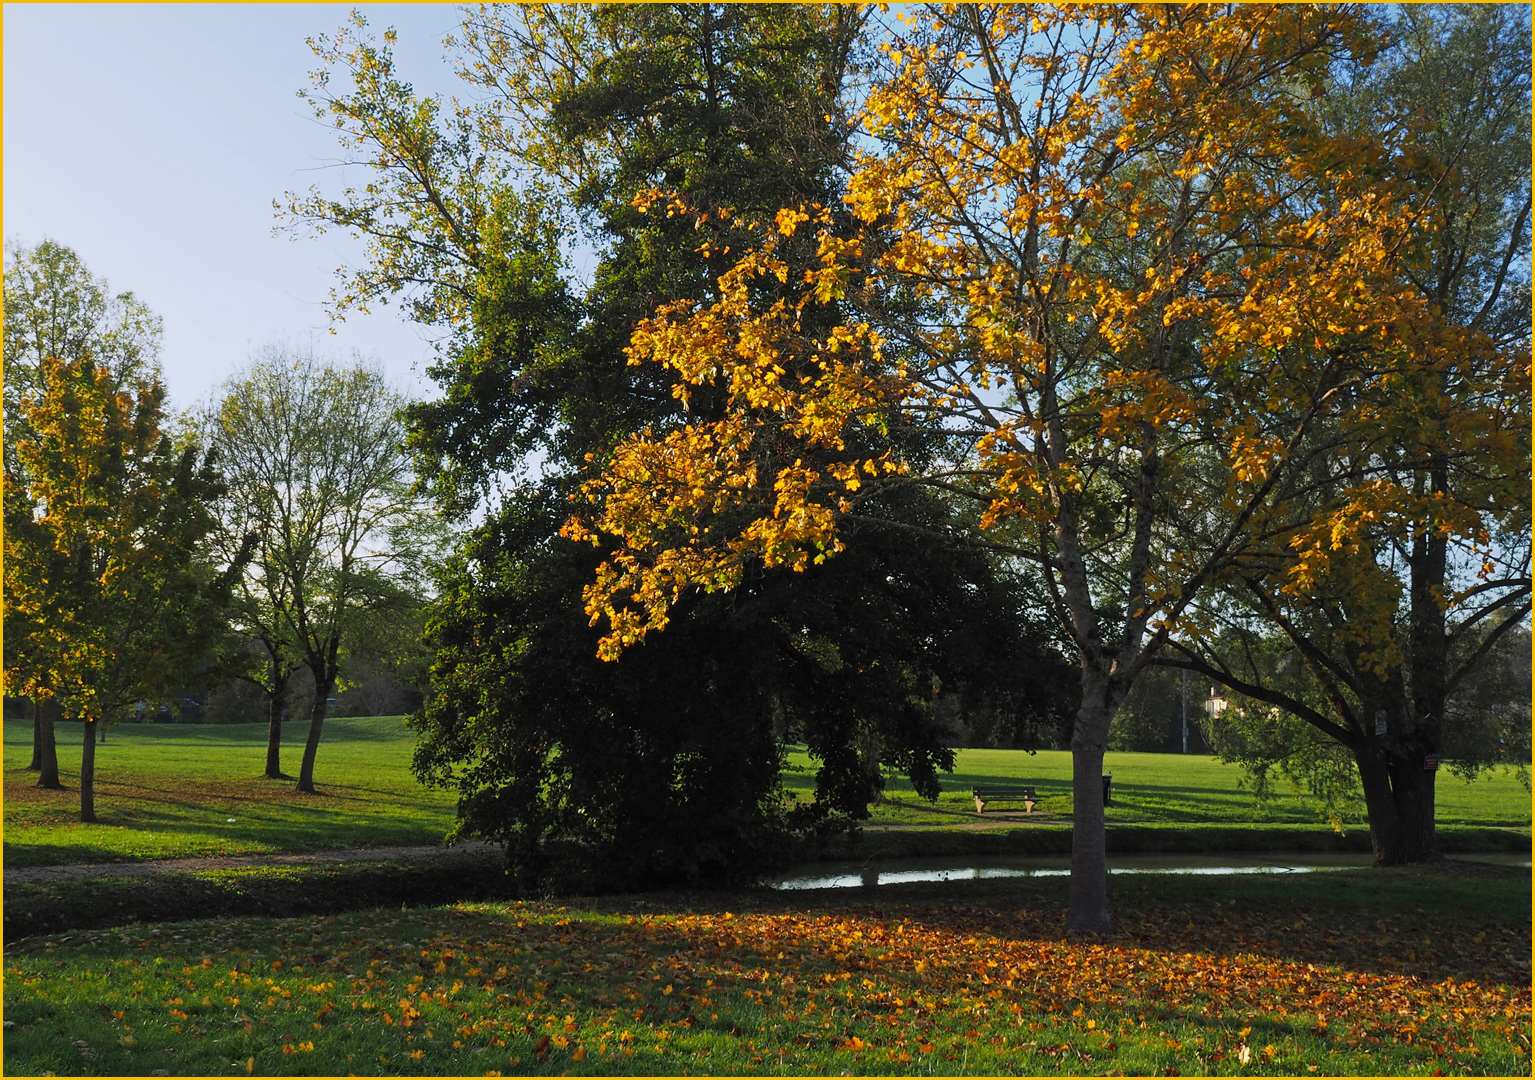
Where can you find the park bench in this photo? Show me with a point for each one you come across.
(984, 795)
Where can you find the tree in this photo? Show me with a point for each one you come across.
(54, 307)
(105, 571)
(1383, 632)
(388, 660)
(318, 478)
(257, 650)
(1118, 239)
(666, 765)
(260, 648)
(23, 652)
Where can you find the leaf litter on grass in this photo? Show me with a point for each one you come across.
(536, 987)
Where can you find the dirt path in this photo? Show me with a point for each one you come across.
(22, 874)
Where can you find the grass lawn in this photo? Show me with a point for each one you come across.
(1154, 788)
(1353, 972)
(169, 791)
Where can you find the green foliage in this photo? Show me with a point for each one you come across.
(320, 491)
(1489, 720)
(1151, 718)
(55, 308)
(669, 760)
(1460, 78)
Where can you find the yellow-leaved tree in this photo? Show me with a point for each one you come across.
(1109, 261)
(107, 584)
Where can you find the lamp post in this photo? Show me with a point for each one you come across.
(1185, 675)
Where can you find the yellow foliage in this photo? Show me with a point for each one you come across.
(1144, 277)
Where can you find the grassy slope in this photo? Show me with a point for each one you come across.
(1358, 972)
(1157, 788)
(169, 790)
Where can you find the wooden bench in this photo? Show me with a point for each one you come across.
(984, 795)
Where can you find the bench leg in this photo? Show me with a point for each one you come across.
(1028, 806)
(980, 806)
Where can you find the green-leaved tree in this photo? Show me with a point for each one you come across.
(320, 482)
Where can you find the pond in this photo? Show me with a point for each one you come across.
(835, 875)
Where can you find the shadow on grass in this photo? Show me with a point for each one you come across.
(929, 960)
(1464, 921)
(138, 829)
(1459, 920)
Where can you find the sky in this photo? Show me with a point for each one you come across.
(152, 139)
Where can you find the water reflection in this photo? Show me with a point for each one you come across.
(907, 871)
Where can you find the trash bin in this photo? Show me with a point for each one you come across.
(1108, 782)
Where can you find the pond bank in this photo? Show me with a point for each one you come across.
(80, 897)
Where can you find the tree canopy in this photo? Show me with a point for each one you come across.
(667, 763)
(55, 308)
(1142, 283)
(1369, 623)
(108, 583)
(320, 484)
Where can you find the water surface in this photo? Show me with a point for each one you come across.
(835, 875)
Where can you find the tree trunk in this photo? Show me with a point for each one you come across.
(279, 694)
(1385, 824)
(322, 689)
(88, 773)
(48, 769)
(37, 738)
(1412, 789)
(1429, 659)
(1088, 908)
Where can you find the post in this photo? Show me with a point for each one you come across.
(1185, 711)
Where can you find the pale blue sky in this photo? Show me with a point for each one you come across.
(152, 139)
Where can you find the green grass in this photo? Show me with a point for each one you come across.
(1151, 788)
(168, 791)
(1355, 972)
